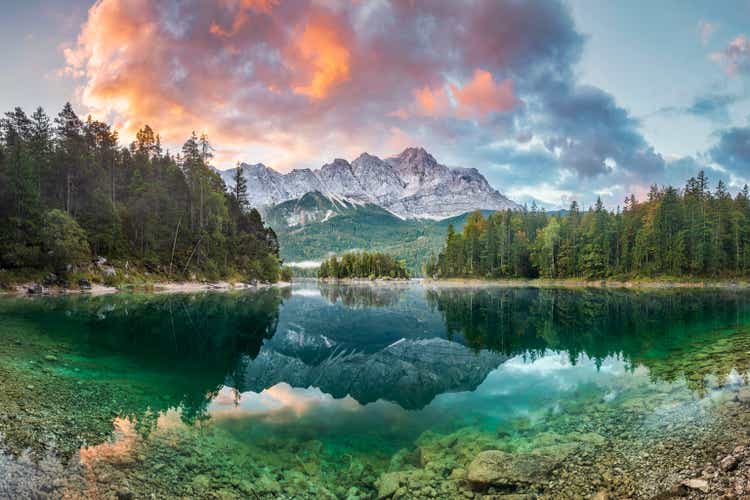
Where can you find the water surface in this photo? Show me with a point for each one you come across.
(343, 391)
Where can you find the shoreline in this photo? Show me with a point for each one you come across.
(655, 284)
(362, 281)
(636, 284)
(161, 287)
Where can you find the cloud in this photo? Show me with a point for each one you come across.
(732, 151)
(590, 133)
(735, 57)
(713, 106)
(327, 57)
(298, 83)
(482, 95)
(706, 30)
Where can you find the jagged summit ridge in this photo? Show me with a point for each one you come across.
(410, 185)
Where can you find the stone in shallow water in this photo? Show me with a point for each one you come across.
(728, 463)
(697, 484)
(743, 396)
(266, 484)
(497, 468)
(388, 483)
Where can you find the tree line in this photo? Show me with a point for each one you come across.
(69, 192)
(368, 265)
(692, 232)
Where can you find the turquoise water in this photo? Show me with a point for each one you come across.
(355, 391)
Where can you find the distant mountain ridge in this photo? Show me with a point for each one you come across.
(412, 185)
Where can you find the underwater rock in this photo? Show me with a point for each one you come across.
(201, 482)
(728, 463)
(388, 483)
(498, 468)
(696, 484)
(267, 484)
(743, 395)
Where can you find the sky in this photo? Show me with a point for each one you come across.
(552, 101)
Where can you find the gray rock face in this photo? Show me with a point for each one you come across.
(408, 372)
(378, 178)
(338, 179)
(410, 185)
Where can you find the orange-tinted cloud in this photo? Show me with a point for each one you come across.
(475, 100)
(433, 103)
(482, 96)
(326, 56)
(242, 10)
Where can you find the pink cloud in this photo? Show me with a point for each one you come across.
(482, 96)
(735, 58)
(434, 103)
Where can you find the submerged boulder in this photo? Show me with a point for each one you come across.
(510, 470)
(388, 483)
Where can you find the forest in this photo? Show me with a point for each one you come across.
(70, 193)
(366, 265)
(692, 232)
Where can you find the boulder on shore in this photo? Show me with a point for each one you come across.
(36, 289)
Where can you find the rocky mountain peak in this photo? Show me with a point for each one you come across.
(416, 155)
(338, 163)
(256, 167)
(411, 185)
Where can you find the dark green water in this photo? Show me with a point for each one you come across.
(329, 391)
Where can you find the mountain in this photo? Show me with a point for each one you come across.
(412, 185)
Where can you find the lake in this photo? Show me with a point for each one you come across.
(355, 391)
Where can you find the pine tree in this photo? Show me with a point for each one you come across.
(240, 187)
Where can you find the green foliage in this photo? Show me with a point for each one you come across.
(286, 274)
(692, 232)
(368, 265)
(67, 189)
(63, 240)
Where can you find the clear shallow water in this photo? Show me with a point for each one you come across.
(342, 391)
